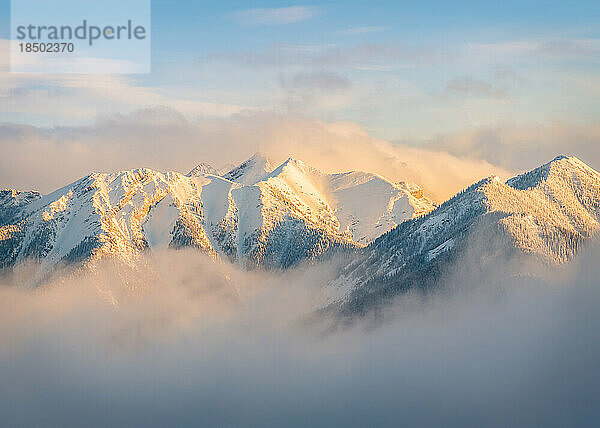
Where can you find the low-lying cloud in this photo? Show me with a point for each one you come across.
(205, 344)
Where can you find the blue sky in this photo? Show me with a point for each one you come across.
(404, 71)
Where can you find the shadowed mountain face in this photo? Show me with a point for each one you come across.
(254, 215)
(542, 216)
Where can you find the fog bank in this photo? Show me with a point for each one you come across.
(198, 343)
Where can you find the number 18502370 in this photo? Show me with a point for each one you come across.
(46, 47)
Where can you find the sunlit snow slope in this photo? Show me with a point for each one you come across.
(254, 214)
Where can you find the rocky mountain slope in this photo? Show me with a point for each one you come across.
(544, 215)
(255, 215)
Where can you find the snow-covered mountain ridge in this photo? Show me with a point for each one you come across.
(545, 214)
(254, 214)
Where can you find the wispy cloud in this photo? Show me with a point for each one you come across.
(355, 31)
(365, 56)
(545, 48)
(322, 80)
(309, 91)
(471, 87)
(275, 16)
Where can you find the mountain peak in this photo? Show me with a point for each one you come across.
(202, 168)
(251, 171)
(553, 170)
(259, 157)
(564, 160)
(290, 162)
